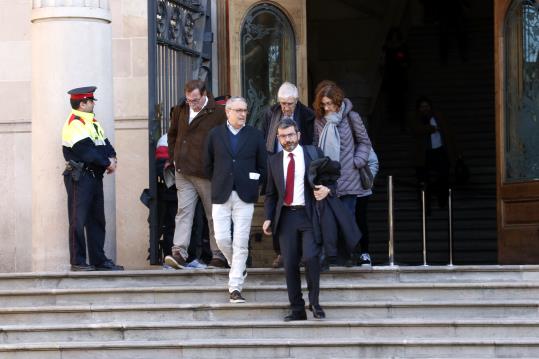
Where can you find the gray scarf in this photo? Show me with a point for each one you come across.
(330, 140)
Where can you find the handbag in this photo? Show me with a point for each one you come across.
(366, 177)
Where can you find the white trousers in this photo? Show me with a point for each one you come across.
(235, 251)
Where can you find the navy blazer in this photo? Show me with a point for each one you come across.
(228, 170)
(275, 187)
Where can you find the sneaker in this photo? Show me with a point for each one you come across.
(167, 267)
(217, 263)
(82, 267)
(277, 262)
(235, 297)
(175, 261)
(196, 265)
(364, 259)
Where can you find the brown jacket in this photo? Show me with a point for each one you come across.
(186, 141)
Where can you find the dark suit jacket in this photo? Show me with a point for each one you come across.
(228, 170)
(274, 200)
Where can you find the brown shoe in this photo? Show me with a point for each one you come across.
(175, 260)
(217, 262)
(278, 262)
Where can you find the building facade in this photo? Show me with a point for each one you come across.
(245, 47)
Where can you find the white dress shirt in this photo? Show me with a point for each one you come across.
(233, 129)
(193, 114)
(436, 137)
(299, 174)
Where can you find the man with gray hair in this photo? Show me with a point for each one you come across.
(235, 162)
(289, 106)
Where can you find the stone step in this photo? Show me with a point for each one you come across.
(278, 348)
(341, 310)
(263, 276)
(269, 293)
(273, 329)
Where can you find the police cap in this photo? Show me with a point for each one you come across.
(82, 93)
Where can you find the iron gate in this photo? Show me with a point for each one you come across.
(179, 49)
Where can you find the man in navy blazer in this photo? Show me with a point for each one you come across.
(290, 214)
(235, 162)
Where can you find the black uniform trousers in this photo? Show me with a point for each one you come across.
(86, 209)
(296, 239)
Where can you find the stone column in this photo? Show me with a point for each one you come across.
(71, 47)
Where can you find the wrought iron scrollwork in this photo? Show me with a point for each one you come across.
(177, 22)
(188, 29)
(179, 49)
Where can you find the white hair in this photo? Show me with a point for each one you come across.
(287, 90)
(233, 99)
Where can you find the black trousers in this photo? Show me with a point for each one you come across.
(296, 239)
(86, 211)
(437, 164)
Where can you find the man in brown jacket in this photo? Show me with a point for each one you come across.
(190, 124)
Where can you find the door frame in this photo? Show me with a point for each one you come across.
(517, 203)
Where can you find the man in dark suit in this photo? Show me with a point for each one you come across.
(235, 161)
(289, 106)
(290, 214)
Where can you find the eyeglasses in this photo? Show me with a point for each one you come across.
(239, 110)
(193, 101)
(287, 136)
(326, 104)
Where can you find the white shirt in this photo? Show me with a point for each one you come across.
(233, 129)
(436, 137)
(163, 141)
(299, 174)
(193, 114)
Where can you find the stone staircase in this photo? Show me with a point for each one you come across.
(464, 94)
(378, 312)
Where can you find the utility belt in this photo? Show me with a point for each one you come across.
(75, 170)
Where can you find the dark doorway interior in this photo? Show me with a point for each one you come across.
(449, 58)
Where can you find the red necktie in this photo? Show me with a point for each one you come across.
(289, 189)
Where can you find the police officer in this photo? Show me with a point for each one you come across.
(88, 154)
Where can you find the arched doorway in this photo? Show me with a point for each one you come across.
(268, 54)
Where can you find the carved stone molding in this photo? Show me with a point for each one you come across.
(43, 10)
(99, 4)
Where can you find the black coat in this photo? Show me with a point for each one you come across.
(274, 200)
(334, 217)
(233, 171)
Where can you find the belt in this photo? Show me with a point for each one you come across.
(91, 171)
(294, 208)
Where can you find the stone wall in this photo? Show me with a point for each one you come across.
(130, 69)
(130, 106)
(15, 136)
